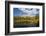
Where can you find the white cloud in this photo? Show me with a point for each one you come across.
(29, 11)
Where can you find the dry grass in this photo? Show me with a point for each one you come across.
(26, 20)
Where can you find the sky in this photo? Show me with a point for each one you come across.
(25, 11)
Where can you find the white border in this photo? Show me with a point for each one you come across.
(28, 28)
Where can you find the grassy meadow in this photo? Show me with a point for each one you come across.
(26, 20)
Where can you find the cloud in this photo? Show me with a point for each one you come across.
(29, 11)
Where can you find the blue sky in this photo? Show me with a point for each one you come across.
(25, 11)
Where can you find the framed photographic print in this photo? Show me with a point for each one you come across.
(24, 17)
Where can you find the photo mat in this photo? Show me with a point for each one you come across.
(17, 12)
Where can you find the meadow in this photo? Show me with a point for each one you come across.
(26, 20)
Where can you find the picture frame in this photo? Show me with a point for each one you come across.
(16, 4)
